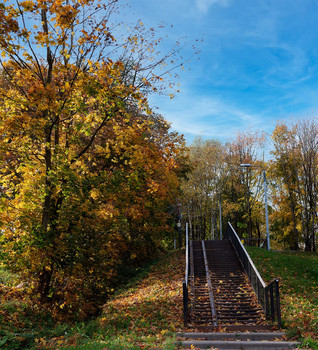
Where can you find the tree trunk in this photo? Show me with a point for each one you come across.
(44, 283)
(259, 234)
(45, 275)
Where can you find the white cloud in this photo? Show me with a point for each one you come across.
(207, 116)
(204, 5)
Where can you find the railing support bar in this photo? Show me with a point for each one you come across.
(206, 264)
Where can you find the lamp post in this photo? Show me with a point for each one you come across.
(220, 212)
(179, 223)
(265, 195)
(210, 194)
(220, 216)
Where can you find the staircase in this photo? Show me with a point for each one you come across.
(230, 292)
(227, 305)
(234, 297)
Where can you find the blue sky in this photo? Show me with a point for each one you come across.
(258, 63)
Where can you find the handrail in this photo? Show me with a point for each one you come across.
(187, 261)
(186, 282)
(208, 279)
(248, 258)
(268, 295)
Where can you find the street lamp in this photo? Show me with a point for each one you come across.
(265, 195)
(179, 222)
(210, 194)
(220, 213)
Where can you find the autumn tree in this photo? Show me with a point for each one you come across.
(217, 179)
(202, 187)
(242, 190)
(285, 172)
(295, 170)
(86, 173)
(307, 137)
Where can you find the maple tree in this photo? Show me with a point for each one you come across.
(87, 170)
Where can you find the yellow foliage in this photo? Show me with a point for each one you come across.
(85, 175)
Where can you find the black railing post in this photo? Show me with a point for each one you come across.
(266, 302)
(185, 303)
(271, 290)
(279, 317)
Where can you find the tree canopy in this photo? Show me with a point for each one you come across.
(292, 175)
(87, 169)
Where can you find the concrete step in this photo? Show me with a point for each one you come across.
(233, 335)
(241, 328)
(235, 340)
(233, 344)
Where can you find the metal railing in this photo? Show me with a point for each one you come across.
(186, 283)
(268, 295)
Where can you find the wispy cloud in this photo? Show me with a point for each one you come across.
(258, 64)
(290, 67)
(204, 5)
(210, 117)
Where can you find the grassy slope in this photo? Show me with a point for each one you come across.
(298, 274)
(146, 314)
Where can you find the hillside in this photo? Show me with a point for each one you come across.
(298, 275)
(147, 313)
(144, 315)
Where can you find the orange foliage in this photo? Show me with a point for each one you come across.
(87, 172)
